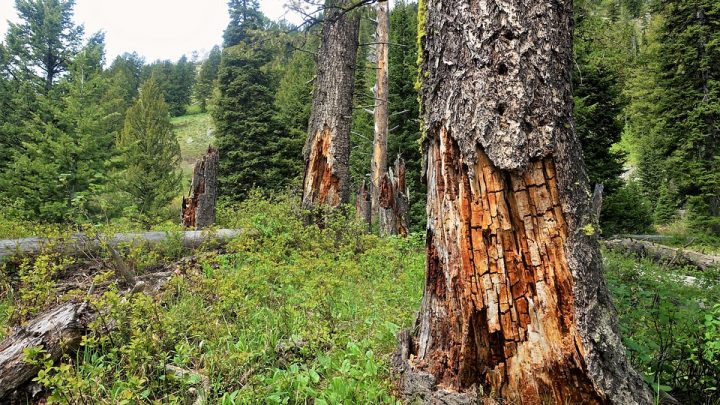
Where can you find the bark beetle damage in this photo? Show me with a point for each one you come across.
(499, 307)
(321, 181)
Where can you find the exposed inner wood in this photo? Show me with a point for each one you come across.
(321, 181)
(378, 163)
(198, 209)
(498, 308)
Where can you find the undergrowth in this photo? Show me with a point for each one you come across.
(294, 314)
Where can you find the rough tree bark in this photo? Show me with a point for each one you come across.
(515, 305)
(198, 209)
(327, 150)
(378, 163)
(393, 204)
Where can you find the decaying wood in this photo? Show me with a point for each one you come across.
(393, 204)
(83, 244)
(378, 163)
(515, 308)
(58, 331)
(363, 205)
(327, 150)
(198, 208)
(663, 254)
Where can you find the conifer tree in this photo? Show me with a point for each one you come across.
(44, 41)
(245, 17)
(688, 79)
(255, 149)
(126, 73)
(60, 169)
(206, 78)
(150, 154)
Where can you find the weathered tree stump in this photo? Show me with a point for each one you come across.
(393, 202)
(198, 208)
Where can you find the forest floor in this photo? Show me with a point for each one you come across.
(289, 314)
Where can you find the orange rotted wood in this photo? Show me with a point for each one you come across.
(500, 291)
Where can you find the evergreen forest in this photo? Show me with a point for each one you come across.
(104, 161)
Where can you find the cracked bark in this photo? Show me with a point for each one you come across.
(515, 306)
(327, 150)
(198, 209)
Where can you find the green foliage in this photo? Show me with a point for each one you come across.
(668, 323)
(150, 155)
(627, 210)
(245, 17)
(290, 314)
(176, 81)
(255, 149)
(206, 78)
(44, 41)
(126, 73)
(62, 166)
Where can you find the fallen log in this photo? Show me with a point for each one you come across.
(58, 331)
(663, 254)
(80, 243)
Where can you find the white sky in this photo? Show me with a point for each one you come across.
(155, 29)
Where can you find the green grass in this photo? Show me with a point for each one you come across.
(291, 314)
(194, 132)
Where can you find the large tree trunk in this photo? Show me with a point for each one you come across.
(327, 151)
(198, 209)
(378, 163)
(515, 305)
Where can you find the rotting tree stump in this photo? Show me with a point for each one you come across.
(393, 204)
(198, 208)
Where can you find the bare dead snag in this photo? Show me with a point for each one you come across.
(363, 205)
(378, 163)
(515, 308)
(198, 208)
(327, 150)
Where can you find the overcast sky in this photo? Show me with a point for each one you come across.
(156, 29)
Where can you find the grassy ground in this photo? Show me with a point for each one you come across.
(194, 132)
(293, 315)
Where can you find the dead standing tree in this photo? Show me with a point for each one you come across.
(327, 150)
(198, 209)
(515, 305)
(378, 163)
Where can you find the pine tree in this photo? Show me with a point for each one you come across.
(126, 73)
(44, 41)
(60, 169)
(245, 17)
(689, 80)
(255, 150)
(206, 78)
(150, 155)
(405, 134)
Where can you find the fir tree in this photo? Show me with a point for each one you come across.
(126, 73)
(255, 150)
(206, 78)
(150, 155)
(245, 17)
(44, 41)
(60, 169)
